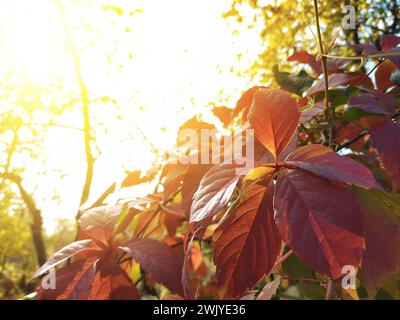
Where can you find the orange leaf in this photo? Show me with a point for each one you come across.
(274, 116)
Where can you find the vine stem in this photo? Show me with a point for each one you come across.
(330, 290)
(331, 286)
(283, 258)
(329, 119)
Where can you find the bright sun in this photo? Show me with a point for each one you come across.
(160, 62)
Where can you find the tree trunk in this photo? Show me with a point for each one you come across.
(37, 222)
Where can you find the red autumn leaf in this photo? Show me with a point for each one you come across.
(224, 114)
(112, 283)
(374, 103)
(126, 220)
(382, 237)
(306, 58)
(321, 222)
(274, 116)
(191, 183)
(174, 173)
(173, 217)
(382, 75)
(63, 255)
(341, 80)
(214, 192)
(186, 283)
(389, 41)
(247, 244)
(99, 222)
(158, 260)
(323, 162)
(347, 133)
(80, 286)
(245, 102)
(64, 276)
(196, 124)
(386, 138)
(133, 178)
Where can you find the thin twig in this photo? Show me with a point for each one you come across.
(330, 290)
(327, 107)
(351, 141)
(329, 119)
(283, 258)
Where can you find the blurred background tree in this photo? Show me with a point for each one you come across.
(287, 27)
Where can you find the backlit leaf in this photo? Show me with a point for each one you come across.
(158, 260)
(321, 222)
(112, 283)
(382, 237)
(214, 192)
(99, 222)
(64, 254)
(274, 116)
(323, 162)
(247, 244)
(386, 138)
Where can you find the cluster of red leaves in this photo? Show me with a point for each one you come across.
(328, 208)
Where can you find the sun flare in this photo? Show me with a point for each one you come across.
(150, 64)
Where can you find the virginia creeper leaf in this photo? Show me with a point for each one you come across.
(382, 237)
(274, 116)
(247, 244)
(214, 192)
(374, 103)
(321, 222)
(244, 103)
(386, 138)
(64, 277)
(389, 41)
(80, 286)
(323, 162)
(383, 74)
(112, 283)
(340, 80)
(99, 222)
(62, 255)
(158, 260)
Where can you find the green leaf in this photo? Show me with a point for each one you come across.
(294, 83)
(395, 77)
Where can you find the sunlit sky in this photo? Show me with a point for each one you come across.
(160, 61)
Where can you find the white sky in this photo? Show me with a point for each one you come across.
(175, 60)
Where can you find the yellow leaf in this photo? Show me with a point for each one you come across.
(259, 173)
